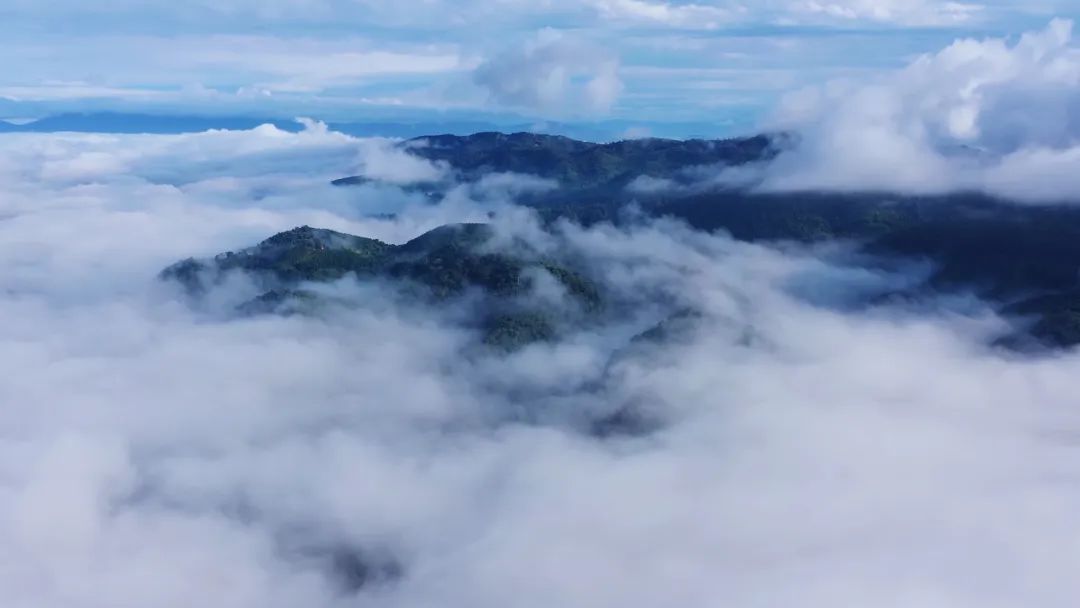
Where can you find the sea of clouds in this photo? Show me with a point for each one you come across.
(801, 451)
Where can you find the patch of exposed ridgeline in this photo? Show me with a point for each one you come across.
(578, 165)
(445, 263)
(1024, 257)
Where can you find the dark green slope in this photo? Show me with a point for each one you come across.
(580, 167)
(301, 254)
(1007, 251)
(1001, 248)
(444, 263)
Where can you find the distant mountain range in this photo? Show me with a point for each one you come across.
(1025, 258)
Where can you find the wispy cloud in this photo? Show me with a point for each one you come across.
(899, 12)
(417, 53)
(553, 72)
(684, 16)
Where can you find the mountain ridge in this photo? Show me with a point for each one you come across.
(439, 265)
(1023, 258)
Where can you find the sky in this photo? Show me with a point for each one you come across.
(641, 62)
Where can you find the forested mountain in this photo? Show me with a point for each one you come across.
(1024, 257)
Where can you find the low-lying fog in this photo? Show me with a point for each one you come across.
(803, 453)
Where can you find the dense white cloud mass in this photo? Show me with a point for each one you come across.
(553, 72)
(806, 455)
(979, 115)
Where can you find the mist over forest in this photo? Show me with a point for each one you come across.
(830, 363)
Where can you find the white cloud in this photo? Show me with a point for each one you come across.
(808, 456)
(384, 160)
(52, 91)
(553, 73)
(976, 115)
(331, 57)
(310, 64)
(287, 63)
(690, 16)
(900, 12)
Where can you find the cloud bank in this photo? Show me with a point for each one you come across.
(803, 452)
(990, 115)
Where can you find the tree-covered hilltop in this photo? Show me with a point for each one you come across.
(1007, 251)
(581, 165)
(581, 169)
(1025, 257)
(288, 258)
(441, 264)
(1000, 247)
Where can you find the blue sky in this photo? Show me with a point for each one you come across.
(639, 61)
